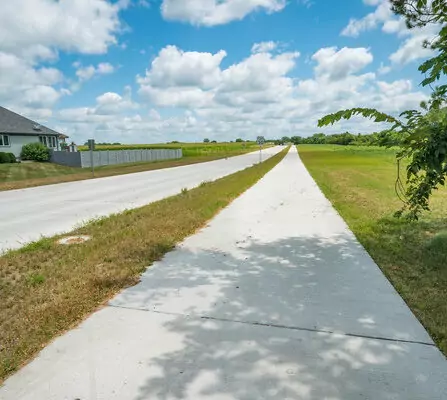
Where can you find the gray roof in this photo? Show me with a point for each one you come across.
(15, 124)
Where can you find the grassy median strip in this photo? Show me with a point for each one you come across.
(46, 288)
(413, 255)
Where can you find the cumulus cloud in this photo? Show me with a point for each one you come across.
(370, 21)
(258, 95)
(337, 64)
(24, 87)
(196, 80)
(86, 73)
(264, 47)
(36, 34)
(411, 47)
(174, 67)
(216, 12)
(43, 27)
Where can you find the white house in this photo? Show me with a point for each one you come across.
(15, 131)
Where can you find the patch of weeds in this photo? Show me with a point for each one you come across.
(436, 248)
(204, 183)
(35, 279)
(42, 244)
(184, 191)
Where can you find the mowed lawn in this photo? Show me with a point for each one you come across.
(359, 181)
(18, 176)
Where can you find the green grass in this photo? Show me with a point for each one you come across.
(413, 255)
(23, 171)
(46, 288)
(18, 176)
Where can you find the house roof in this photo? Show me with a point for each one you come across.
(15, 124)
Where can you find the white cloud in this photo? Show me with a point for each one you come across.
(174, 67)
(195, 80)
(111, 103)
(258, 95)
(86, 73)
(85, 26)
(383, 69)
(264, 47)
(412, 48)
(395, 88)
(372, 20)
(35, 31)
(105, 68)
(216, 12)
(22, 86)
(337, 64)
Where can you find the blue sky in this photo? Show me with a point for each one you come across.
(138, 71)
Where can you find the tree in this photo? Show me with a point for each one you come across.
(285, 139)
(206, 140)
(422, 133)
(239, 140)
(296, 140)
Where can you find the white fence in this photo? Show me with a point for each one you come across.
(101, 158)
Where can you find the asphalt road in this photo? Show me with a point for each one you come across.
(29, 214)
(274, 299)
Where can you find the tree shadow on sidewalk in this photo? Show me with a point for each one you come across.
(258, 322)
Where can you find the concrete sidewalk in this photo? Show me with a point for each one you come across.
(29, 214)
(274, 299)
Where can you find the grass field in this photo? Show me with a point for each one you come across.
(413, 255)
(46, 288)
(18, 176)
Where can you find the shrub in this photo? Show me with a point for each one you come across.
(4, 158)
(35, 152)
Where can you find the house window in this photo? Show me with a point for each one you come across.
(4, 140)
(49, 141)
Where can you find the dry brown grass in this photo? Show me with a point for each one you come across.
(46, 288)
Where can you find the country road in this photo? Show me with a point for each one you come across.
(274, 299)
(29, 214)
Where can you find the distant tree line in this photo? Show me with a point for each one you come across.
(383, 138)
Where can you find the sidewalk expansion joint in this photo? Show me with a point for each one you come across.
(279, 326)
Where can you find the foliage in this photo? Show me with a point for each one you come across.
(423, 142)
(422, 134)
(206, 140)
(239, 140)
(35, 152)
(7, 158)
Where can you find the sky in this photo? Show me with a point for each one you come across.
(154, 71)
